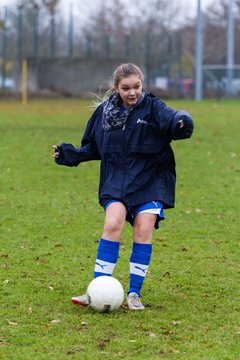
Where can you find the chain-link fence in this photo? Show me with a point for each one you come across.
(67, 59)
(221, 81)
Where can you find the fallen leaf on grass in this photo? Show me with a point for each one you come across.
(159, 238)
(176, 323)
(75, 349)
(84, 323)
(30, 310)
(101, 344)
(132, 341)
(5, 266)
(152, 335)
(199, 211)
(165, 331)
(50, 323)
(55, 321)
(184, 249)
(107, 340)
(57, 245)
(12, 323)
(41, 260)
(50, 287)
(2, 343)
(6, 282)
(166, 274)
(142, 327)
(174, 351)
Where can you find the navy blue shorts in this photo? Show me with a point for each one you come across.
(151, 207)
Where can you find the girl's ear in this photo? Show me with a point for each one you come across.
(116, 88)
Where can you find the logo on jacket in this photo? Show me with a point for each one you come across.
(139, 121)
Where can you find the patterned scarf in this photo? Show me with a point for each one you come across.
(113, 116)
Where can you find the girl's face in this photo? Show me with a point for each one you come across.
(130, 90)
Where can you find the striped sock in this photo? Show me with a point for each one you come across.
(139, 261)
(107, 257)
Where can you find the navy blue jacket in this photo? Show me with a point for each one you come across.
(137, 161)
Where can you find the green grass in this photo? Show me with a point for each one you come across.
(51, 222)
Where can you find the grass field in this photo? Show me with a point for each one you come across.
(51, 222)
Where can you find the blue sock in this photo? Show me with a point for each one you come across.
(139, 261)
(107, 257)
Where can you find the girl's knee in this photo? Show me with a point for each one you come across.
(143, 229)
(113, 225)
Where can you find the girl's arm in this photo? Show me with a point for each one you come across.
(175, 124)
(67, 154)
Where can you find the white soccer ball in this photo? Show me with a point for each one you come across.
(105, 293)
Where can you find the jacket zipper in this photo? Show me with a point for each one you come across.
(124, 165)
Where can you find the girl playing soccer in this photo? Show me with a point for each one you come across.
(130, 133)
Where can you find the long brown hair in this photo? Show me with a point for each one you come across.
(121, 72)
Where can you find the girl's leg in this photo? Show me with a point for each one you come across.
(141, 253)
(114, 221)
(108, 248)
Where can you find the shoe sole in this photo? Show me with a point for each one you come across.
(136, 309)
(76, 302)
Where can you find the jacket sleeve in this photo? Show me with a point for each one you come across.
(73, 156)
(185, 131)
(168, 121)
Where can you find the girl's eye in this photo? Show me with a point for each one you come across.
(135, 88)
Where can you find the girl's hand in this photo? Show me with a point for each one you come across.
(181, 124)
(56, 154)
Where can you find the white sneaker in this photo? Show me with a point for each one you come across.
(82, 300)
(134, 302)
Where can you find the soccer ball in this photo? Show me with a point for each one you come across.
(105, 294)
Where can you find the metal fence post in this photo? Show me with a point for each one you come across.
(70, 30)
(4, 47)
(20, 31)
(53, 26)
(198, 51)
(35, 33)
(230, 47)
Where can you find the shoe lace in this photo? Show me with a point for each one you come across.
(136, 297)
